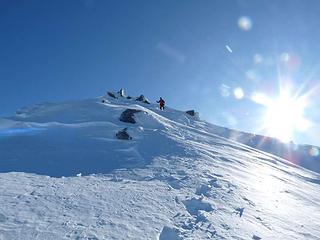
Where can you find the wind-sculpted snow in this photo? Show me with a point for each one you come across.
(307, 156)
(176, 179)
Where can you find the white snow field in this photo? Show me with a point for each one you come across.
(64, 175)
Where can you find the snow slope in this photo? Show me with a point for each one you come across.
(64, 175)
(304, 155)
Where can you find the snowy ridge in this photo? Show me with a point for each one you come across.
(176, 179)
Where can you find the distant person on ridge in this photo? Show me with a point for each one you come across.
(161, 103)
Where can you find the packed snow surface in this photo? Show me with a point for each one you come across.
(64, 175)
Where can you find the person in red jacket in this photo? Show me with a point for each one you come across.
(161, 103)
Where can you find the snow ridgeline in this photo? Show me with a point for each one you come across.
(175, 179)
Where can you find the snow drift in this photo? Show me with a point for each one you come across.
(65, 175)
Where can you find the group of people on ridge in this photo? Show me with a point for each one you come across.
(161, 101)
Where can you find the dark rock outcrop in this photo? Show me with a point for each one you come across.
(191, 112)
(128, 114)
(123, 135)
(111, 94)
(142, 99)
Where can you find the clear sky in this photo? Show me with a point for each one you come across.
(249, 65)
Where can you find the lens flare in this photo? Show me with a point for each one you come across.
(229, 48)
(245, 23)
(261, 98)
(314, 151)
(224, 90)
(283, 116)
(238, 93)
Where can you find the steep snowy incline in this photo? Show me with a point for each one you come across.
(174, 180)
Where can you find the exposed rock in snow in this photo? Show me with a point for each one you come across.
(128, 115)
(123, 134)
(143, 99)
(111, 94)
(191, 112)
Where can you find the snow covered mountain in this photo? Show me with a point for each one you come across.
(304, 155)
(65, 175)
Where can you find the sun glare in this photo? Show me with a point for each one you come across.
(283, 116)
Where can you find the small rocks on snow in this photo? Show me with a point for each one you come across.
(111, 94)
(143, 99)
(123, 134)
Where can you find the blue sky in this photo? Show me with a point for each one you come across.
(213, 56)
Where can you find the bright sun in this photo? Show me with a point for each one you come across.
(283, 116)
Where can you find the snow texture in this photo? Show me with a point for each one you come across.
(65, 175)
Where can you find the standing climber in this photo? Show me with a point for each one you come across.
(161, 103)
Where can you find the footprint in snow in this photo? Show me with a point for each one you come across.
(175, 183)
(204, 190)
(3, 218)
(194, 206)
(168, 233)
(181, 173)
(239, 211)
(255, 237)
(225, 226)
(215, 183)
